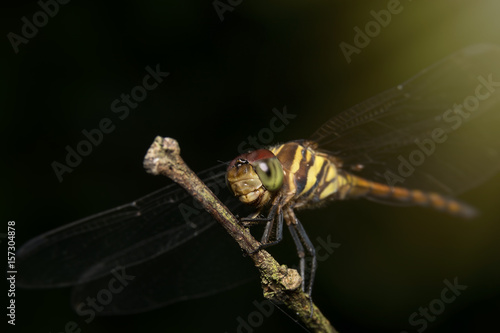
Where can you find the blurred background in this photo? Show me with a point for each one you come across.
(226, 76)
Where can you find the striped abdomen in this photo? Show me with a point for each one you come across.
(310, 176)
(359, 187)
(314, 177)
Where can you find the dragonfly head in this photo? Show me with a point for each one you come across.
(255, 176)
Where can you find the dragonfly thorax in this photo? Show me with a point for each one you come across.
(255, 176)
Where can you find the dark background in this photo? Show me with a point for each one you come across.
(225, 78)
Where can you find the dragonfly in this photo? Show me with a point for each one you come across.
(420, 143)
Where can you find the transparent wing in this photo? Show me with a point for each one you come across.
(125, 236)
(210, 263)
(438, 131)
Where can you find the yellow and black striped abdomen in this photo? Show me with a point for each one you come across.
(359, 187)
(310, 176)
(313, 177)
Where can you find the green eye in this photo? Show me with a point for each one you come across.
(270, 173)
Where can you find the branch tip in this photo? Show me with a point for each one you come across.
(278, 281)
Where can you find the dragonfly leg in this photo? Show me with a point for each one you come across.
(300, 251)
(273, 232)
(303, 245)
(252, 219)
(275, 228)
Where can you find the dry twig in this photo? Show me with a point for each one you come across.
(279, 283)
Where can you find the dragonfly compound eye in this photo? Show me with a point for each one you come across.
(253, 176)
(270, 173)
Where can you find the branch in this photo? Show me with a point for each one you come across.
(278, 282)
